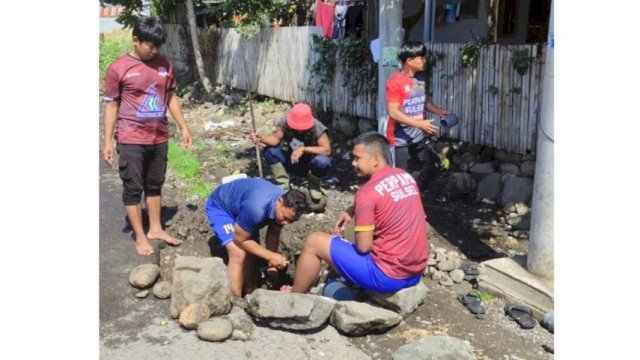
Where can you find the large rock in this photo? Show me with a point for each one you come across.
(242, 324)
(461, 184)
(288, 310)
(365, 125)
(528, 169)
(509, 169)
(216, 329)
(193, 315)
(516, 189)
(143, 276)
(404, 301)
(356, 318)
(200, 280)
(478, 171)
(346, 124)
(504, 156)
(490, 186)
(435, 347)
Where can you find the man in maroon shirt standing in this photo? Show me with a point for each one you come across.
(139, 87)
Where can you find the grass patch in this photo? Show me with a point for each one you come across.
(114, 44)
(201, 189)
(183, 162)
(485, 296)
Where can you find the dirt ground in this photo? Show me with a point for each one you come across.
(472, 228)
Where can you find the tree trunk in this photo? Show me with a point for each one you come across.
(191, 18)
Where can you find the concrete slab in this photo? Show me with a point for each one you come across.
(509, 278)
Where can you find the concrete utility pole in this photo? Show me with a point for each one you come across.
(540, 256)
(428, 20)
(390, 35)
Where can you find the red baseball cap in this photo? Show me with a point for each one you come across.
(300, 117)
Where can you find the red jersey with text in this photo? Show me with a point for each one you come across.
(410, 94)
(389, 204)
(142, 88)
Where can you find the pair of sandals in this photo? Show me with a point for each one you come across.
(519, 313)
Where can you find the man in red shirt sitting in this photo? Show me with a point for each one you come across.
(390, 251)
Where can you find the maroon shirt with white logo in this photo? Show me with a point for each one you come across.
(142, 88)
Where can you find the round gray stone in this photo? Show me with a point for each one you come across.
(446, 265)
(216, 329)
(457, 276)
(143, 276)
(162, 289)
(445, 281)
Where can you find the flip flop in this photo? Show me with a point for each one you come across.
(521, 314)
(471, 301)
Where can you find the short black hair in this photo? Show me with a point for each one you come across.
(296, 200)
(148, 28)
(411, 49)
(375, 143)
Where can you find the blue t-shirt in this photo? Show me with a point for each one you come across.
(251, 202)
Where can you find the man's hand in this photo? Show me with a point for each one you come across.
(253, 137)
(295, 155)
(278, 261)
(186, 139)
(343, 221)
(107, 152)
(428, 127)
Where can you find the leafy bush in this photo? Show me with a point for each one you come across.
(114, 44)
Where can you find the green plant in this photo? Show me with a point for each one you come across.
(324, 68)
(114, 45)
(201, 189)
(493, 90)
(521, 61)
(485, 296)
(183, 162)
(358, 69)
(470, 51)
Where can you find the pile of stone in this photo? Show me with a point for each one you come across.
(486, 174)
(449, 267)
(201, 299)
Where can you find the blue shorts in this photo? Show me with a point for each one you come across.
(361, 270)
(223, 224)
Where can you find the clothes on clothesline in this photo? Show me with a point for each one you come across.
(324, 18)
(339, 19)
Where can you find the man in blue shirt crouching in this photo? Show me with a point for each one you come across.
(237, 211)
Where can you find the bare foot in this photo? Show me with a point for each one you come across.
(143, 247)
(164, 236)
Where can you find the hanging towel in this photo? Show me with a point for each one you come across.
(324, 17)
(339, 21)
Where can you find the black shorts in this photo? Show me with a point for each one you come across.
(142, 168)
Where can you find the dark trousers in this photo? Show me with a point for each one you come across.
(418, 160)
(318, 164)
(142, 168)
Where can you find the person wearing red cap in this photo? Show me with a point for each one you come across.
(300, 146)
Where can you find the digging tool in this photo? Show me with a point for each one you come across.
(253, 119)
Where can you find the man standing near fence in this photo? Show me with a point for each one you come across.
(407, 127)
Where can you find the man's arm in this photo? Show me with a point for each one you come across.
(243, 240)
(364, 241)
(433, 108)
(399, 116)
(323, 148)
(269, 140)
(174, 109)
(109, 121)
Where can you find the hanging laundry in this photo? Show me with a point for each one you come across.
(324, 17)
(354, 20)
(339, 22)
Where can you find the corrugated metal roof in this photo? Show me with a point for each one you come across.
(111, 11)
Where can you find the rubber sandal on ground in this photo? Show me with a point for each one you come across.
(471, 301)
(286, 288)
(521, 314)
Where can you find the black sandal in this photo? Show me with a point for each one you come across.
(472, 302)
(521, 314)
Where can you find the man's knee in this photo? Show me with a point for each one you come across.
(132, 192)
(320, 165)
(236, 254)
(273, 155)
(316, 241)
